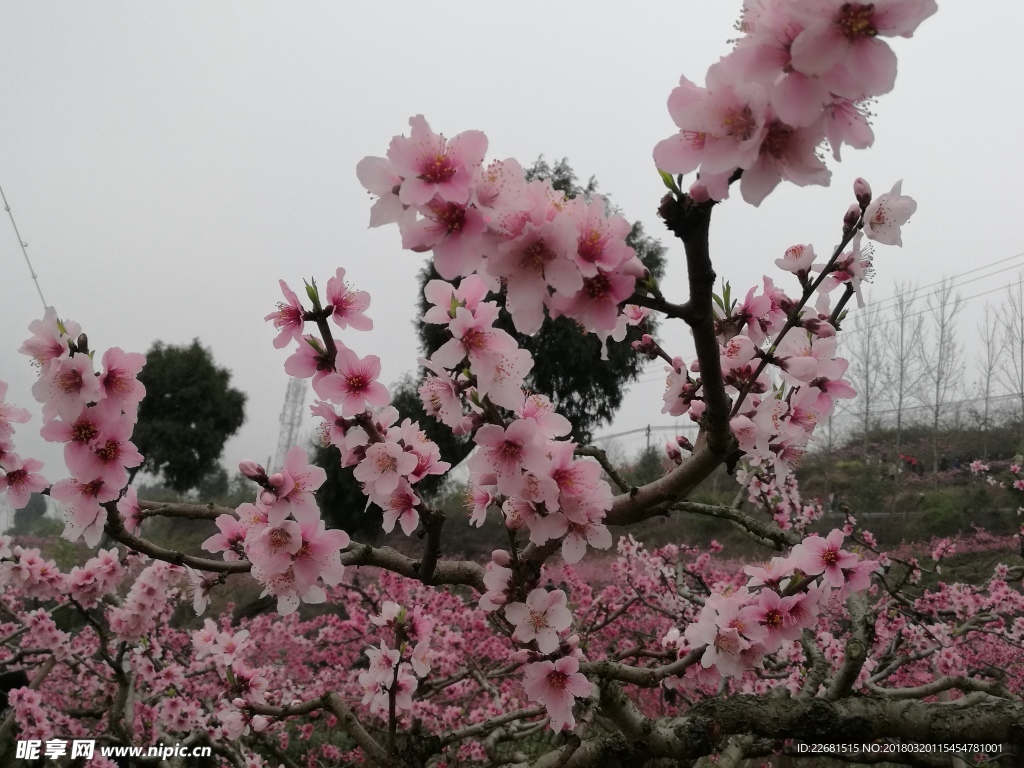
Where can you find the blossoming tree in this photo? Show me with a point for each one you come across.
(438, 661)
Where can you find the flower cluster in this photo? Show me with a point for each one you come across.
(282, 535)
(780, 599)
(801, 74)
(20, 477)
(388, 676)
(92, 412)
(567, 255)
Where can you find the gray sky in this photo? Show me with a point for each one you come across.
(167, 163)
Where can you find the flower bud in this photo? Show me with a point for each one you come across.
(699, 192)
(268, 498)
(862, 191)
(646, 345)
(674, 455)
(850, 219)
(252, 470)
(502, 558)
(276, 480)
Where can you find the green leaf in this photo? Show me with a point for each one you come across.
(314, 294)
(668, 181)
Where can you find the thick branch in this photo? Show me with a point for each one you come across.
(349, 721)
(691, 222)
(187, 511)
(765, 530)
(445, 571)
(645, 678)
(852, 720)
(116, 530)
(641, 503)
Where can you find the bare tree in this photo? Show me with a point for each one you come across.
(865, 342)
(943, 357)
(989, 361)
(1012, 372)
(901, 347)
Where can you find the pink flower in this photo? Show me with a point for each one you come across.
(288, 318)
(355, 384)
(445, 298)
(456, 232)
(601, 241)
(431, 165)
(556, 685)
(294, 493)
(773, 613)
(497, 580)
(816, 555)
(109, 454)
(550, 423)
(119, 380)
(494, 358)
(721, 126)
(50, 337)
(384, 466)
(10, 414)
(273, 549)
(400, 506)
(229, 540)
(540, 618)
(798, 260)
(840, 42)
(84, 515)
(541, 256)
(886, 214)
(584, 526)
(507, 452)
(440, 396)
(131, 512)
(348, 305)
(20, 480)
(310, 358)
(66, 387)
(786, 153)
(421, 659)
(383, 661)
(319, 557)
(378, 177)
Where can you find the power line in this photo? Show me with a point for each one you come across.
(926, 406)
(952, 278)
(641, 430)
(848, 333)
(24, 247)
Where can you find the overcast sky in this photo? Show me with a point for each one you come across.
(168, 163)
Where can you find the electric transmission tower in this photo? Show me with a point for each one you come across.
(291, 420)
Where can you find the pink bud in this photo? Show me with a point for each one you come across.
(850, 219)
(239, 703)
(862, 191)
(276, 480)
(268, 497)
(699, 192)
(252, 470)
(501, 557)
(646, 345)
